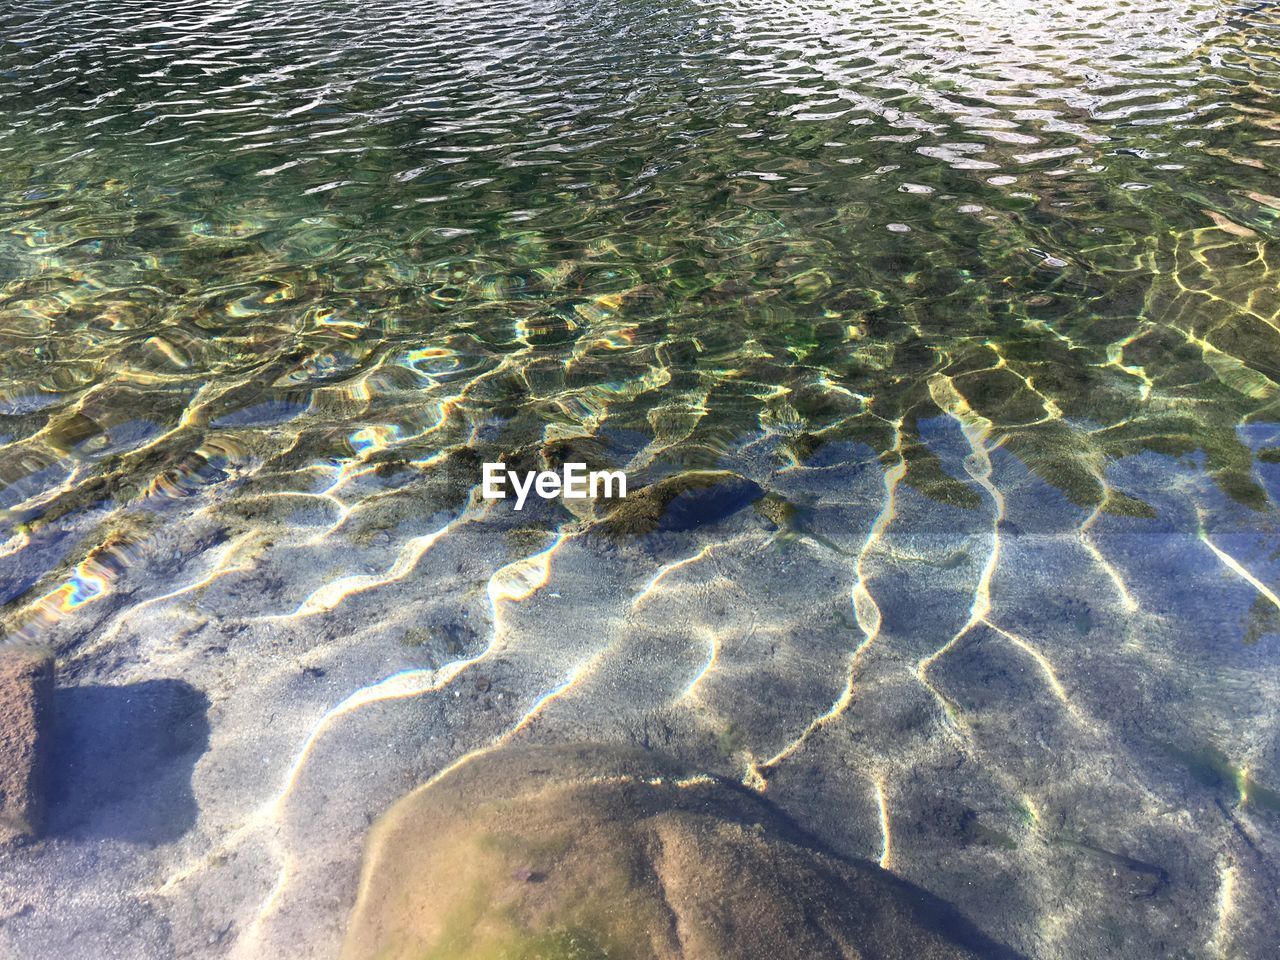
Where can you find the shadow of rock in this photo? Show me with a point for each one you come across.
(584, 852)
(122, 760)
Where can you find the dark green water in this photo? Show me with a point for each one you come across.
(982, 295)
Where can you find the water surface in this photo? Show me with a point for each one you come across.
(978, 301)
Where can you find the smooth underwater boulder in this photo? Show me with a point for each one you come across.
(590, 852)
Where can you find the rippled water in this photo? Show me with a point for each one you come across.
(980, 296)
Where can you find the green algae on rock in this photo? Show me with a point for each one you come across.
(583, 852)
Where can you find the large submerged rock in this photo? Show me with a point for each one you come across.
(588, 852)
(26, 702)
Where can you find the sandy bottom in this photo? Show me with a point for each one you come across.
(1053, 723)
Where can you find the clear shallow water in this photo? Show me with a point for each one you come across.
(982, 295)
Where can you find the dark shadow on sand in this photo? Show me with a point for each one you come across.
(940, 915)
(123, 759)
(930, 910)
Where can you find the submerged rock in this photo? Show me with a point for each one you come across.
(26, 703)
(682, 502)
(589, 852)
